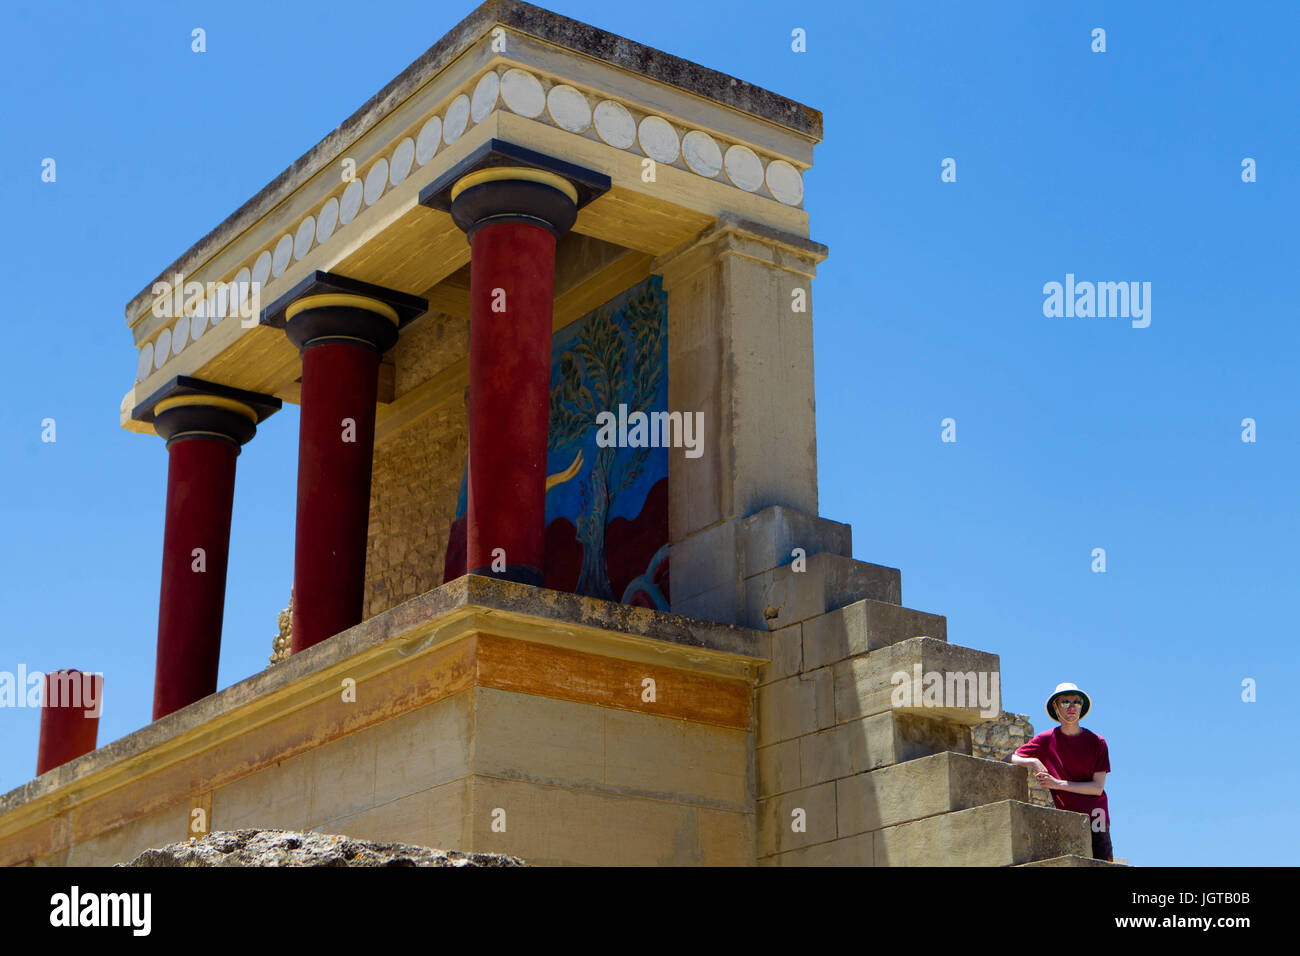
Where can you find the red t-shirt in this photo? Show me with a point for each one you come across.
(1074, 760)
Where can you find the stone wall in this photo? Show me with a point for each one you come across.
(998, 738)
(417, 474)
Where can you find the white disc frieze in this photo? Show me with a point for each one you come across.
(743, 167)
(302, 240)
(568, 108)
(262, 268)
(180, 335)
(283, 253)
(484, 100)
(400, 165)
(426, 144)
(614, 124)
(376, 180)
(702, 153)
(454, 122)
(350, 204)
(658, 139)
(162, 349)
(327, 220)
(522, 92)
(146, 362)
(784, 182)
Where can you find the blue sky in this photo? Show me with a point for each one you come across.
(1072, 434)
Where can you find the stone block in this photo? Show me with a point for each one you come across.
(857, 850)
(727, 839)
(561, 826)
(998, 834)
(277, 797)
(873, 742)
(795, 706)
(777, 819)
(123, 844)
(787, 654)
(676, 760)
(529, 737)
(778, 767)
(941, 783)
(423, 748)
(342, 777)
(767, 539)
(436, 818)
(705, 560)
(950, 680)
(720, 605)
(1071, 861)
(784, 596)
(863, 627)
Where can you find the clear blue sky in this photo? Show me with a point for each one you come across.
(1073, 434)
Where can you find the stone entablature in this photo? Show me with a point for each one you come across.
(510, 71)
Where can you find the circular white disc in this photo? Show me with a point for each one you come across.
(701, 153)
(658, 139)
(180, 335)
(262, 269)
(426, 144)
(376, 180)
(327, 220)
(614, 124)
(199, 323)
(523, 93)
(485, 96)
(302, 241)
(568, 108)
(743, 167)
(162, 349)
(784, 182)
(145, 365)
(457, 116)
(283, 252)
(403, 156)
(350, 202)
(221, 305)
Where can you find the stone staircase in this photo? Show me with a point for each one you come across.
(848, 776)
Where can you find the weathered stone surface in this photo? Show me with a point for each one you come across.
(866, 626)
(785, 596)
(292, 848)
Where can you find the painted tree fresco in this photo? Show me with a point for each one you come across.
(606, 507)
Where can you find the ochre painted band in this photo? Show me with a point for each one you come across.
(505, 173)
(215, 401)
(339, 299)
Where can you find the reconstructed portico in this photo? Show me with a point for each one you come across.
(506, 636)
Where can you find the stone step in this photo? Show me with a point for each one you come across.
(998, 834)
(863, 627)
(792, 593)
(856, 747)
(942, 783)
(767, 540)
(954, 683)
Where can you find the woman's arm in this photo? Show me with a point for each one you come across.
(1092, 788)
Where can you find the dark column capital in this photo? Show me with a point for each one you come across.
(328, 307)
(192, 408)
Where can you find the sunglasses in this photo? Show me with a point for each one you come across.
(1069, 703)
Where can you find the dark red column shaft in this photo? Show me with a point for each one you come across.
(200, 496)
(340, 382)
(69, 717)
(509, 397)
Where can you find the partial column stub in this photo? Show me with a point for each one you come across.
(513, 205)
(204, 425)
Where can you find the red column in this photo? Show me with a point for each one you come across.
(70, 711)
(200, 498)
(340, 382)
(341, 338)
(204, 425)
(513, 217)
(512, 279)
